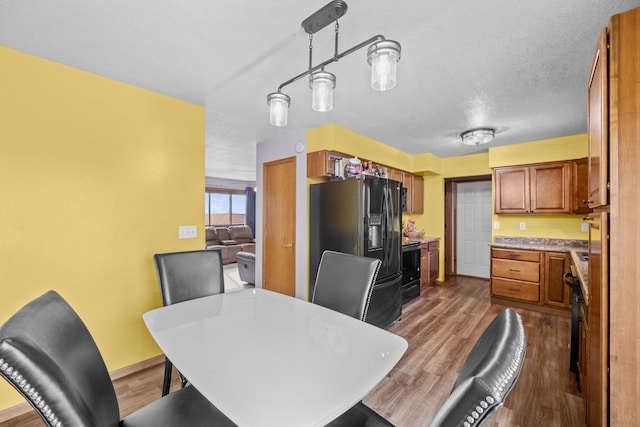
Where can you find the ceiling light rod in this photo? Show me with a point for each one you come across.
(382, 55)
(331, 60)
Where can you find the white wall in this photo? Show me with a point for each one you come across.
(275, 149)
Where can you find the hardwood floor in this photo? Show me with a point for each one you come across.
(441, 326)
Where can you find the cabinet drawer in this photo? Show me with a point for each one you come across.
(433, 246)
(515, 254)
(515, 289)
(518, 270)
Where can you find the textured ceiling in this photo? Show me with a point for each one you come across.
(520, 67)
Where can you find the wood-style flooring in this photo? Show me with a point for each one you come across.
(442, 326)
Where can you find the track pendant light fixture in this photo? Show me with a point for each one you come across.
(322, 84)
(278, 108)
(382, 55)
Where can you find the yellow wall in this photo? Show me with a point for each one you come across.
(337, 138)
(548, 150)
(95, 177)
(435, 170)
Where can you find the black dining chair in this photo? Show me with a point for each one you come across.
(49, 356)
(345, 282)
(488, 374)
(185, 276)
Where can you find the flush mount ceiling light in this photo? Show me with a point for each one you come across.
(382, 55)
(477, 136)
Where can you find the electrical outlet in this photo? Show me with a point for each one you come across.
(585, 227)
(523, 226)
(496, 225)
(187, 232)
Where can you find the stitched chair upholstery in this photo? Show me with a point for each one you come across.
(344, 283)
(184, 276)
(488, 374)
(48, 355)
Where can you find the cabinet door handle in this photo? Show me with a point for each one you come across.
(514, 255)
(514, 289)
(586, 202)
(288, 245)
(514, 271)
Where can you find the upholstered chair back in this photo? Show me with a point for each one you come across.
(344, 283)
(488, 374)
(187, 275)
(49, 356)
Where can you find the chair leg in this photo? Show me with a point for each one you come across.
(168, 367)
(183, 380)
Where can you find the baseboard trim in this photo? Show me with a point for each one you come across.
(25, 407)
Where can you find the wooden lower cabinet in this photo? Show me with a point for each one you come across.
(556, 293)
(533, 279)
(429, 262)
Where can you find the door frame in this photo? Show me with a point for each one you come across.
(450, 218)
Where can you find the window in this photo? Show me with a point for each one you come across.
(224, 207)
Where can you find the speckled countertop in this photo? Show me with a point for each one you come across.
(576, 249)
(425, 239)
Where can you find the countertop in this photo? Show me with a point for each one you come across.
(425, 239)
(574, 247)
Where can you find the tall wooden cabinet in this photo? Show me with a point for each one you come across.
(613, 329)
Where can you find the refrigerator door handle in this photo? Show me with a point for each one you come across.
(389, 221)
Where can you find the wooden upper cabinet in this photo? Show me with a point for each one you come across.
(581, 186)
(551, 190)
(543, 188)
(407, 182)
(598, 127)
(417, 194)
(322, 163)
(512, 190)
(394, 174)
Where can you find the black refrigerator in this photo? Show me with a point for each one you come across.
(361, 216)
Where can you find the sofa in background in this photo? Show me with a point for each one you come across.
(247, 267)
(230, 240)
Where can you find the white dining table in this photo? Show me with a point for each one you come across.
(267, 359)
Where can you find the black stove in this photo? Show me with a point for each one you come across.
(410, 271)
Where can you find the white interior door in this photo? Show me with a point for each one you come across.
(473, 234)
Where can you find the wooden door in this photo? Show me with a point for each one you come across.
(512, 190)
(556, 293)
(279, 222)
(551, 187)
(598, 126)
(581, 186)
(473, 228)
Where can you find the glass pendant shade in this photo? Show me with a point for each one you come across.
(278, 108)
(477, 136)
(383, 57)
(322, 84)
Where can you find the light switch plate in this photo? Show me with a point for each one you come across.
(496, 225)
(523, 226)
(187, 232)
(585, 227)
